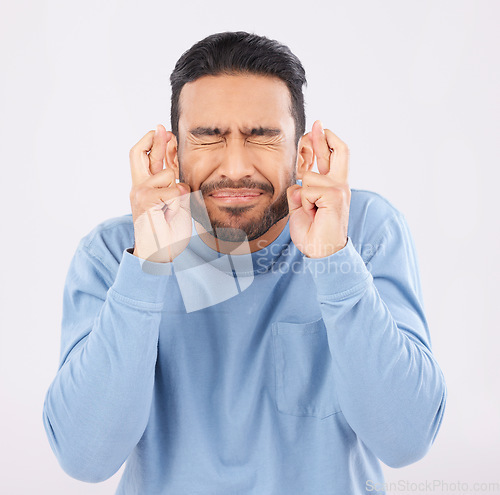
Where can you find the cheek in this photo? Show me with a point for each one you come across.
(282, 183)
(196, 168)
(284, 178)
(273, 161)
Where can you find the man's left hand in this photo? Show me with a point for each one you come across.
(319, 209)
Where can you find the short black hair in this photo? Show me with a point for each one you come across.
(239, 52)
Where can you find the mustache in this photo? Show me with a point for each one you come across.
(229, 184)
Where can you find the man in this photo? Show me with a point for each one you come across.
(241, 332)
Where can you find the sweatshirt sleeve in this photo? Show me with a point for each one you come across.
(389, 385)
(97, 407)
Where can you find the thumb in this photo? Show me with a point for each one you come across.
(183, 187)
(294, 197)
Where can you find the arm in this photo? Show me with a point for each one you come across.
(390, 388)
(97, 407)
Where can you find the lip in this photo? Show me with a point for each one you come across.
(236, 195)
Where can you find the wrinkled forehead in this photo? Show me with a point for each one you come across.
(238, 101)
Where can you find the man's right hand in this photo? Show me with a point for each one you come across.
(160, 206)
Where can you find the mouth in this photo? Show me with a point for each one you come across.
(236, 195)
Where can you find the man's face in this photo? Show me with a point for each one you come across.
(236, 145)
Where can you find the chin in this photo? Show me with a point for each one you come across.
(242, 222)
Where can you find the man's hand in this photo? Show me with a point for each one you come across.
(160, 206)
(319, 209)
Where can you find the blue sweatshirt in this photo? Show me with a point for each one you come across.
(261, 373)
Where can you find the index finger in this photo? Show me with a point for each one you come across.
(339, 159)
(141, 161)
(320, 147)
(160, 139)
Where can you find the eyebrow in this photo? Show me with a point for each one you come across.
(215, 131)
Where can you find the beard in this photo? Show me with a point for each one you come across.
(238, 227)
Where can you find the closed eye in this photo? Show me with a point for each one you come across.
(262, 143)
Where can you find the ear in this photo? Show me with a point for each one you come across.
(305, 155)
(171, 158)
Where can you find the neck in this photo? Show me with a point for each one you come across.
(227, 247)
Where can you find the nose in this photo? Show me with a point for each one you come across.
(236, 161)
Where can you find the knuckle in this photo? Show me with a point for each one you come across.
(133, 151)
(169, 173)
(308, 176)
(140, 194)
(336, 192)
(342, 193)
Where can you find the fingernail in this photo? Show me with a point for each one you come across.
(321, 127)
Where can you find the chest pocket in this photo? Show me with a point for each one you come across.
(303, 365)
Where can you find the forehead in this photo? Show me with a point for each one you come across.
(247, 99)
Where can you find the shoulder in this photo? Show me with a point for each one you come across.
(108, 239)
(371, 215)
(364, 202)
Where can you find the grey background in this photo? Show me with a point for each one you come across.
(411, 87)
